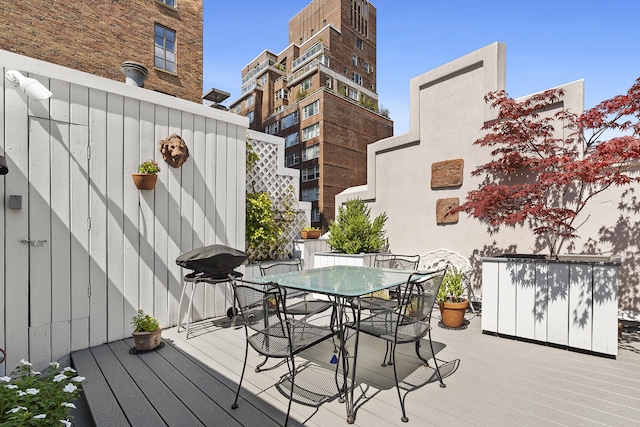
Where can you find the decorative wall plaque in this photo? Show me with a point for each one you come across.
(442, 210)
(447, 173)
(174, 150)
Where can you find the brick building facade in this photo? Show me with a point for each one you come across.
(97, 36)
(320, 95)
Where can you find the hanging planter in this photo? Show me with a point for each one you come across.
(146, 177)
(144, 181)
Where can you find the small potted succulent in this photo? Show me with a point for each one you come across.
(146, 332)
(147, 176)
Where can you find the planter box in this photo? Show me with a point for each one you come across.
(145, 341)
(328, 259)
(310, 234)
(571, 302)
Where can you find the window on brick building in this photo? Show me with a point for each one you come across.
(291, 140)
(289, 120)
(315, 215)
(292, 159)
(310, 153)
(359, 43)
(311, 109)
(310, 194)
(170, 3)
(165, 48)
(311, 174)
(311, 131)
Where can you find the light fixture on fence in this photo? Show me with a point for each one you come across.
(31, 87)
(4, 169)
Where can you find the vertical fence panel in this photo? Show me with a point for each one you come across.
(115, 216)
(98, 212)
(16, 265)
(60, 240)
(161, 210)
(146, 216)
(79, 226)
(131, 212)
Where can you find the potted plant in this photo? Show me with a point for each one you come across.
(147, 176)
(544, 170)
(449, 299)
(309, 232)
(353, 237)
(146, 332)
(39, 398)
(353, 232)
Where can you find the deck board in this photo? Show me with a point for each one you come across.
(496, 381)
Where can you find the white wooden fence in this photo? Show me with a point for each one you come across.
(87, 249)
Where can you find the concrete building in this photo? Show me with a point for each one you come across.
(97, 37)
(319, 94)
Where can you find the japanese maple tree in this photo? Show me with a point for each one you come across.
(543, 177)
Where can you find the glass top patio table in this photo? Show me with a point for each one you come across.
(343, 282)
(340, 280)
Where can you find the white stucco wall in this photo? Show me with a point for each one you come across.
(447, 112)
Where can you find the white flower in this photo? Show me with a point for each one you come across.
(68, 405)
(70, 388)
(40, 417)
(11, 386)
(32, 391)
(16, 409)
(67, 423)
(68, 369)
(78, 379)
(5, 379)
(55, 365)
(24, 363)
(21, 393)
(59, 378)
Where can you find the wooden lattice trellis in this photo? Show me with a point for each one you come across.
(264, 176)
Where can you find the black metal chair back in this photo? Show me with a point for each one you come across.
(409, 322)
(400, 262)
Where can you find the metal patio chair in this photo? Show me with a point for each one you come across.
(271, 331)
(410, 322)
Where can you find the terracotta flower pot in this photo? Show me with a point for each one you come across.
(144, 181)
(453, 313)
(145, 341)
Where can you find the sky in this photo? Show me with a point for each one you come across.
(548, 43)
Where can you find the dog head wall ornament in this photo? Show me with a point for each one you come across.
(174, 150)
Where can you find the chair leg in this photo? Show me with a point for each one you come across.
(388, 351)
(435, 361)
(404, 418)
(262, 364)
(244, 367)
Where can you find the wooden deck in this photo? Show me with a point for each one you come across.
(490, 381)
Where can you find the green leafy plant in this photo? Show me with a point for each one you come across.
(353, 231)
(143, 322)
(310, 228)
(451, 288)
(29, 398)
(149, 166)
(261, 227)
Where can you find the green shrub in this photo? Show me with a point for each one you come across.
(353, 232)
